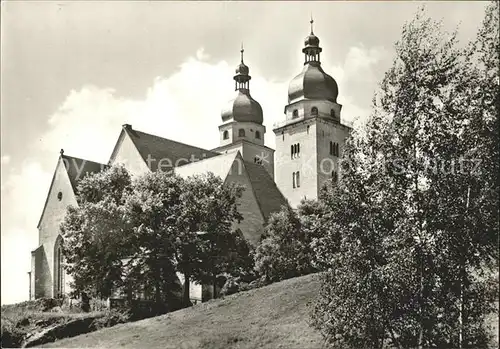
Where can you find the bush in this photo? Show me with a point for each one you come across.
(238, 284)
(111, 318)
(12, 335)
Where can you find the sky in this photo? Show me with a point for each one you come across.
(73, 72)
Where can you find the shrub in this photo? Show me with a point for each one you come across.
(12, 335)
(111, 318)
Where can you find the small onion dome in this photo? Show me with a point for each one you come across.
(313, 83)
(243, 108)
(242, 69)
(311, 41)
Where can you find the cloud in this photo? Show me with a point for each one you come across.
(5, 159)
(184, 106)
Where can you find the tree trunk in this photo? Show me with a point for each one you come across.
(215, 285)
(185, 299)
(461, 316)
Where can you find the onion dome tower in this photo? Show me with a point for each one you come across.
(242, 123)
(243, 108)
(312, 83)
(309, 141)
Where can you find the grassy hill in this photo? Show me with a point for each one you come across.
(274, 316)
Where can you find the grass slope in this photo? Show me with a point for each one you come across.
(275, 316)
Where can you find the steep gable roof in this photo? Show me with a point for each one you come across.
(268, 195)
(158, 148)
(76, 169)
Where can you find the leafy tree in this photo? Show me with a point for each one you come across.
(152, 209)
(285, 250)
(208, 246)
(405, 239)
(93, 233)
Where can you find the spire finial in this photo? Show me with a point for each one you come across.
(62, 152)
(311, 21)
(242, 50)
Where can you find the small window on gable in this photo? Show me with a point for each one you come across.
(59, 196)
(295, 114)
(314, 111)
(225, 135)
(241, 132)
(257, 134)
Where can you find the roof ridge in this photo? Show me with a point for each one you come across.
(168, 139)
(82, 159)
(218, 156)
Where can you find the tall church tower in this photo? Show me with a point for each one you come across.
(242, 127)
(309, 142)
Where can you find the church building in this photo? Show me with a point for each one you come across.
(309, 143)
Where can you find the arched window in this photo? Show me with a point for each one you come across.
(291, 151)
(295, 114)
(337, 152)
(297, 179)
(257, 134)
(307, 129)
(314, 111)
(293, 178)
(331, 148)
(298, 149)
(241, 132)
(225, 135)
(58, 268)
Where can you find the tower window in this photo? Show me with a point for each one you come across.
(293, 179)
(225, 135)
(295, 150)
(314, 111)
(334, 149)
(295, 114)
(307, 129)
(257, 134)
(241, 132)
(297, 179)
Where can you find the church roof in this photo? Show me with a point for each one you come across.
(78, 168)
(158, 148)
(268, 196)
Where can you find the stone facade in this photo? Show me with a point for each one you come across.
(46, 271)
(309, 144)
